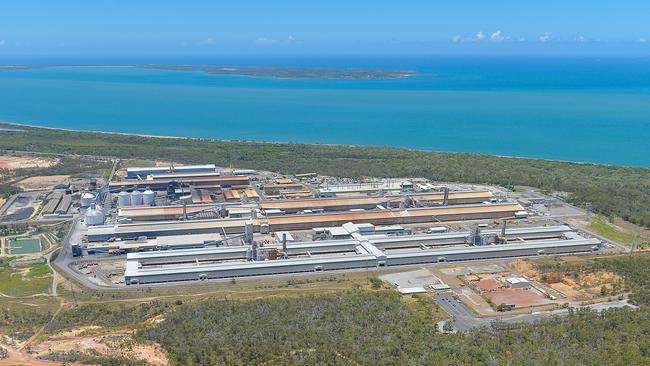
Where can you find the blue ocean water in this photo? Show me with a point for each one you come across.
(586, 109)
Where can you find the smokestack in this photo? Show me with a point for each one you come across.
(445, 200)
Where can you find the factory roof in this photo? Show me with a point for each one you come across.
(527, 230)
(169, 168)
(316, 219)
(133, 270)
(136, 182)
(491, 248)
(386, 214)
(452, 195)
(185, 252)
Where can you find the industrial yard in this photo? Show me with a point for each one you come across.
(166, 225)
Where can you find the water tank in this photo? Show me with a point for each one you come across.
(136, 198)
(149, 197)
(87, 199)
(94, 216)
(124, 199)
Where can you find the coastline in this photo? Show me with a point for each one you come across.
(185, 138)
(269, 72)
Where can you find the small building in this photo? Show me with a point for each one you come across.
(411, 290)
(440, 287)
(517, 282)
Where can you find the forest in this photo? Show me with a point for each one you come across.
(368, 327)
(609, 190)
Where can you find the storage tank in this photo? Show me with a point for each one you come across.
(94, 216)
(136, 198)
(124, 198)
(149, 197)
(87, 199)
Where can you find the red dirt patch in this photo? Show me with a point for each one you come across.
(519, 297)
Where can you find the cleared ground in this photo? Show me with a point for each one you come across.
(20, 162)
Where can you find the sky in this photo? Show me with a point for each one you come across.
(134, 27)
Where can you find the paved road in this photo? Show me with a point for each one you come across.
(463, 319)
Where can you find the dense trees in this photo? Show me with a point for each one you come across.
(375, 328)
(613, 191)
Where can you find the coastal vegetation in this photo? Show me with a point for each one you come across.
(369, 327)
(609, 190)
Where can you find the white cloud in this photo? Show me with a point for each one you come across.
(496, 37)
(579, 38)
(456, 39)
(643, 40)
(208, 42)
(265, 40)
(480, 36)
(268, 41)
(544, 37)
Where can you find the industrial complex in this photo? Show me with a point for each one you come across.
(196, 223)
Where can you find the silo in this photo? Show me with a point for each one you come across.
(94, 216)
(124, 199)
(136, 198)
(149, 197)
(87, 199)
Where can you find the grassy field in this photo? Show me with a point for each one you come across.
(24, 281)
(603, 227)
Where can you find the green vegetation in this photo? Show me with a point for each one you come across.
(19, 319)
(39, 270)
(601, 226)
(24, 281)
(375, 282)
(92, 358)
(108, 314)
(8, 190)
(611, 191)
(376, 327)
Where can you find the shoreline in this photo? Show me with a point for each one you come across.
(262, 72)
(133, 134)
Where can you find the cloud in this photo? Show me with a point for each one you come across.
(496, 37)
(480, 36)
(642, 40)
(269, 41)
(207, 42)
(2, 42)
(579, 38)
(544, 37)
(265, 40)
(457, 39)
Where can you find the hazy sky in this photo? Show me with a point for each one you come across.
(29, 27)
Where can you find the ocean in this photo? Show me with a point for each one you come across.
(587, 109)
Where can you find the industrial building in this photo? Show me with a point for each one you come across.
(307, 222)
(135, 172)
(226, 262)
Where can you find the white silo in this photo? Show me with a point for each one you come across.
(136, 198)
(87, 199)
(124, 199)
(94, 216)
(149, 197)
